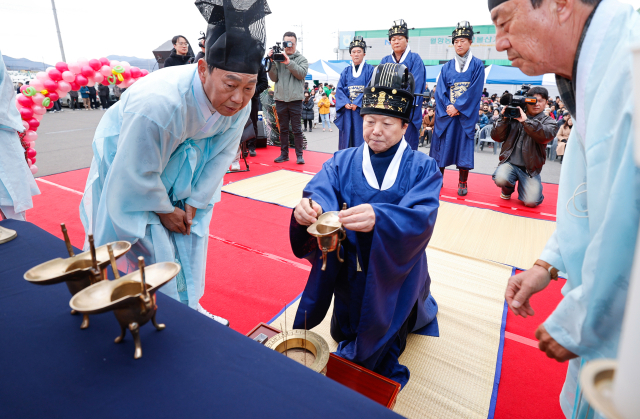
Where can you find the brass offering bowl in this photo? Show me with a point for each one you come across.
(131, 298)
(329, 232)
(306, 340)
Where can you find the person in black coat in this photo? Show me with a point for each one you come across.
(181, 53)
(93, 97)
(307, 111)
(201, 42)
(103, 92)
(261, 86)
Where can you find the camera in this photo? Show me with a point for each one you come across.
(516, 102)
(278, 56)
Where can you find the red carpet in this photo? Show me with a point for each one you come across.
(252, 272)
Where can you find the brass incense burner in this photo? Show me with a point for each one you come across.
(6, 235)
(329, 232)
(131, 298)
(79, 271)
(302, 340)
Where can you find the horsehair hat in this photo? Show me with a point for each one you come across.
(463, 30)
(390, 92)
(358, 42)
(236, 33)
(399, 28)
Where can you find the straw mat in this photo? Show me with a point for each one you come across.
(452, 376)
(480, 233)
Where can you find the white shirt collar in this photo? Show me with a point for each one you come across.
(404, 55)
(392, 171)
(206, 108)
(355, 73)
(466, 65)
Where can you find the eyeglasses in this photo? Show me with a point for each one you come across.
(182, 44)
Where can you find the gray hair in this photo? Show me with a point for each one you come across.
(537, 3)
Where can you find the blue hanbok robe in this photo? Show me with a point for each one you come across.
(598, 198)
(158, 148)
(384, 279)
(349, 91)
(452, 141)
(416, 66)
(17, 185)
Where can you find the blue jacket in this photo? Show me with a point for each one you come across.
(483, 121)
(84, 91)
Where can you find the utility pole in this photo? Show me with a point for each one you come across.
(55, 17)
(300, 38)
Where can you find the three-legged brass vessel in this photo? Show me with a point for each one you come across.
(329, 232)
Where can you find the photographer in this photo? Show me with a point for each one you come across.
(524, 150)
(288, 76)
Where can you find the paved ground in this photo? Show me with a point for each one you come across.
(64, 143)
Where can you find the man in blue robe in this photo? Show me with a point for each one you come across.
(599, 192)
(402, 54)
(352, 82)
(160, 153)
(458, 94)
(381, 291)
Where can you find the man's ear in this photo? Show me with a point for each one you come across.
(563, 9)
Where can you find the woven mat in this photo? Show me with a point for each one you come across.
(480, 233)
(452, 376)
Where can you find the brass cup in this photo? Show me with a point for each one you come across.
(329, 232)
(126, 298)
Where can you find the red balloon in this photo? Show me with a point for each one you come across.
(135, 72)
(55, 75)
(104, 61)
(62, 67)
(34, 123)
(126, 74)
(95, 64)
(81, 80)
(26, 113)
(87, 71)
(31, 153)
(33, 161)
(53, 96)
(144, 72)
(50, 85)
(25, 100)
(23, 88)
(74, 86)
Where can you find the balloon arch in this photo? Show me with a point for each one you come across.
(48, 86)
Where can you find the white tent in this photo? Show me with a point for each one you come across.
(325, 72)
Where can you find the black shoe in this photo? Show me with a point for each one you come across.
(300, 160)
(305, 130)
(462, 188)
(252, 153)
(281, 159)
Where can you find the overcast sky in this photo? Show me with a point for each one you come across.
(93, 29)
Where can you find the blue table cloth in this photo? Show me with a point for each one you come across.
(195, 368)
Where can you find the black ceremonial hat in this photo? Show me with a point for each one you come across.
(399, 28)
(358, 42)
(463, 30)
(236, 33)
(494, 3)
(390, 92)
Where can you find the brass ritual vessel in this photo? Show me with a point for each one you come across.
(305, 340)
(329, 232)
(79, 271)
(131, 298)
(6, 235)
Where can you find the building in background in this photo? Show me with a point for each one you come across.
(432, 44)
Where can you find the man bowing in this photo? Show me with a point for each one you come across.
(160, 153)
(382, 289)
(352, 82)
(458, 95)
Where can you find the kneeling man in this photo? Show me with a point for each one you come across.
(382, 289)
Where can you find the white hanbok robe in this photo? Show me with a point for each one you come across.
(17, 184)
(598, 198)
(161, 146)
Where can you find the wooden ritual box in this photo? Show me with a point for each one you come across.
(366, 382)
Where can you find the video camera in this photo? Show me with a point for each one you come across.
(516, 102)
(278, 56)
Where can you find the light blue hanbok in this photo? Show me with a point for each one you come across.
(17, 185)
(598, 199)
(161, 146)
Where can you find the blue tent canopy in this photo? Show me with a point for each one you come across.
(498, 74)
(432, 72)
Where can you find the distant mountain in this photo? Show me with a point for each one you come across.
(24, 64)
(143, 63)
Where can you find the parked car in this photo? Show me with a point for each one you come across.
(66, 100)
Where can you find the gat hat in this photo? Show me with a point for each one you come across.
(390, 92)
(399, 28)
(463, 30)
(236, 33)
(358, 42)
(494, 3)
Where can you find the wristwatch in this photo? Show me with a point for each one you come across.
(553, 272)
